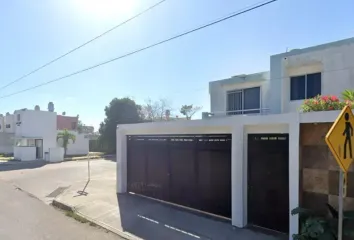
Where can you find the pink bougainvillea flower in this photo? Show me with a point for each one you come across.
(334, 99)
(325, 98)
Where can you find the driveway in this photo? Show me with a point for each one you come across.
(46, 181)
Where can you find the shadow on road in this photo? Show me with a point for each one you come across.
(21, 165)
(83, 191)
(112, 158)
(151, 220)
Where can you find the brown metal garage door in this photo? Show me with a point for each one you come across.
(188, 170)
(268, 181)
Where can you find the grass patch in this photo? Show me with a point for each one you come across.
(76, 217)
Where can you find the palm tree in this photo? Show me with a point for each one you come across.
(65, 135)
(348, 94)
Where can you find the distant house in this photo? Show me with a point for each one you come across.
(67, 122)
(32, 134)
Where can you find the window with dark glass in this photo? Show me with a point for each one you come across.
(244, 101)
(305, 86)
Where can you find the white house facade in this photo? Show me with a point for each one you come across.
(326, 69)
(244, 161)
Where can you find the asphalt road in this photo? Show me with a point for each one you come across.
(25, 217)
(42, 180)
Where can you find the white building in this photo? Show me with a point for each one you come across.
(242, 94)
(293, 77)
(32, 134)
(266, 182)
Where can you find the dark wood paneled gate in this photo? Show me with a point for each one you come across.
(268, 181)
(188, 170)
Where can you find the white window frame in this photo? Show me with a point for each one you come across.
(300, 75)
(243, 110)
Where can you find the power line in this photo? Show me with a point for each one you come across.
(144, 48)
(265, 79)
(82, 45)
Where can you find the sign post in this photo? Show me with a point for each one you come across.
(339, 141)
(88, 167)
(340, 206)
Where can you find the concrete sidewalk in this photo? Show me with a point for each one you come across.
(137, 217)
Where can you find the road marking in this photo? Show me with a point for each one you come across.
(148, 219)
(170, 227)
(181, 231)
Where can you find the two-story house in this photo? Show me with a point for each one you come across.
(294, 76)
(30, 134)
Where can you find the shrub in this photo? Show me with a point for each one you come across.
(314, 225)
(324, 103)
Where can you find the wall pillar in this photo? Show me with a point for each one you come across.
(238, 185)
(121, 153)
(294, 173)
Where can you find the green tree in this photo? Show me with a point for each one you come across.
(189, 110)
(80, 126)
(119, 111)
(348, 94)
(65, 135)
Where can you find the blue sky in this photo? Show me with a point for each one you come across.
(34, 32)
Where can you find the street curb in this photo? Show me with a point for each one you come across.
(67, 207)
(14, 162)
(81, 159)
(91, 158)
(62, 206)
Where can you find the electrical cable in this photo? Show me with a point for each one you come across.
(143, 49)
(82, 45)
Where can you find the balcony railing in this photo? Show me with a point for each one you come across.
(243, 112)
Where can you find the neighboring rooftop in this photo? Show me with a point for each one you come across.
(66, 122)
(253, 77)
(317, 47)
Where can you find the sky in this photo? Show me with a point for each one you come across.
(37, 31)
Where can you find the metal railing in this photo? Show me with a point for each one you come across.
(243, 112)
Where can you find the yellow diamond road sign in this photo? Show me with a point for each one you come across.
(340, 139)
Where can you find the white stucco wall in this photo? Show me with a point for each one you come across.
(56, 154)
(6, 142)
(334, 60)
(9, 119)
(38, 124)
(2, 123)
(79, 147)
(25, 153)
(218, 90)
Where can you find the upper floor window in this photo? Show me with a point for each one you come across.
(305, 86)
(18, 118)
(73, 125)
(8, 126)
(244, 101)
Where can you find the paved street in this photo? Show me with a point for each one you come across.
(131, 214)
(42, 180)
(25, 217)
